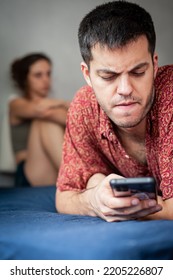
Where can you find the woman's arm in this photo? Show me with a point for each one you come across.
(45, 109)
(56, 115)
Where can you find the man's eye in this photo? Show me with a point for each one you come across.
(138, 74)
(108, 78)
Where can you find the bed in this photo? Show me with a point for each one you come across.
(31, 229)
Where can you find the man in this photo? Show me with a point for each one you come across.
(120, 125)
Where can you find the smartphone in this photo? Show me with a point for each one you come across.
(142, 187)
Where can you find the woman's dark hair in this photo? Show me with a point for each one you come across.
(115, 24)
(20, 68)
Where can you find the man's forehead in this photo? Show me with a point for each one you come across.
(130, 56)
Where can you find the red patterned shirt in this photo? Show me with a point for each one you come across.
(91, 145)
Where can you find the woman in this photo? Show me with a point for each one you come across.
(37, 122)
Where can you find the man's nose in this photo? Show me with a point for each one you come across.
(124, 85)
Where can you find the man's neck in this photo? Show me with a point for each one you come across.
(133, 141)
(134, 133)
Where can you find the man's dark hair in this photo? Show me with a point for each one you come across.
(114, 24)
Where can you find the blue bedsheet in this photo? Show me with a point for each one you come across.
(31, 229)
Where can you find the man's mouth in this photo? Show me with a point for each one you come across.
(126, 105)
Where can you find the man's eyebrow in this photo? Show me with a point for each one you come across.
(106, 71)
(139, 66)
(109, 71)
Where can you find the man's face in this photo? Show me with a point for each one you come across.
(122, 80)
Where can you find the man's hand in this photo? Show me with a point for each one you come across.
(111, 205)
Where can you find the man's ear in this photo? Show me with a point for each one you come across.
(85, 72)
(155, 63)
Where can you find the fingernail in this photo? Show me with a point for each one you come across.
(135, 202)
(151, 203)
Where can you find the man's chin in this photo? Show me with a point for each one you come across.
(128, 123)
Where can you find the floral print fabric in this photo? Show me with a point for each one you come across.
(91, 145)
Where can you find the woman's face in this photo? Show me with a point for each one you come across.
(39, 79)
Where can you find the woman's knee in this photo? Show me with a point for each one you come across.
(51, 128)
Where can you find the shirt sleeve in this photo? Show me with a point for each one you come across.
(166, 135)
(81, 158)
(166, 162)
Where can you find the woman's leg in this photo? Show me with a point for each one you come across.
(44, 153)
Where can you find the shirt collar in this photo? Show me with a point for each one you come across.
(106, 128)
